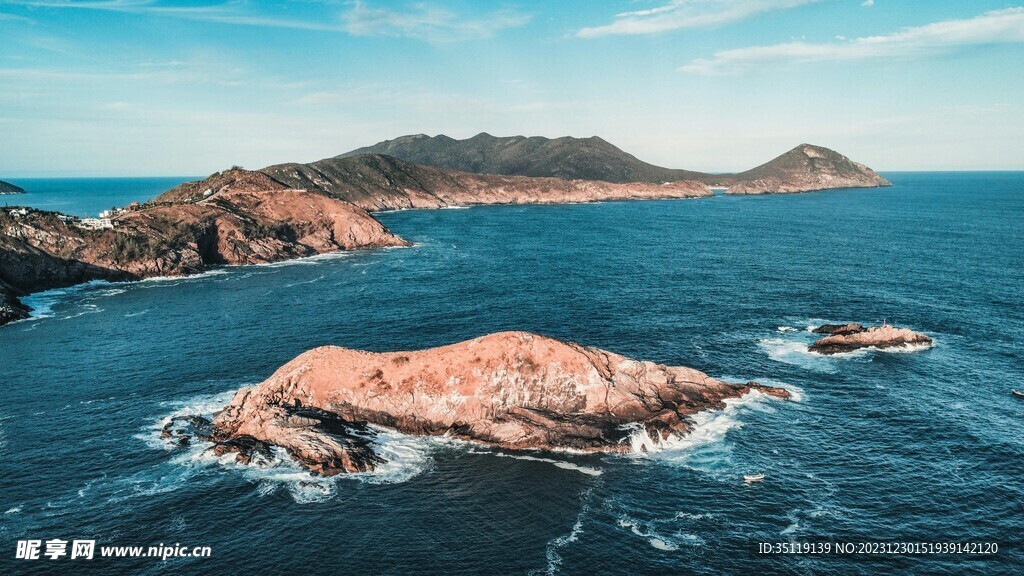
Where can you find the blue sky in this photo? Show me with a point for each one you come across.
(161, 87)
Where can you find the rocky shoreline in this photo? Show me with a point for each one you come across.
(251, 220)
(294, 210)
(512, 390)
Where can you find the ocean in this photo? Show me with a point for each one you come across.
(876, 447)
(86, 197)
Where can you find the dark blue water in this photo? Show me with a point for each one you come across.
(918, 446)
(87, 196)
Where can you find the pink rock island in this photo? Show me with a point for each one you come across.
(850, 337)
(512, 390)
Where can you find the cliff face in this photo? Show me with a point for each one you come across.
(803, 169)
(11, 308)
(8, 188)
(513, 390)
(249, 219)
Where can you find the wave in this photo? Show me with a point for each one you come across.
(551, 552)
(407, 456)
(795, 352)
(563, 464)
(657, 540)
(709, 426)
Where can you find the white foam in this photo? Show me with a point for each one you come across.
(14, 510)
(551, 551)
(785, 329)
(905, 348)
(406, 457)
(796, 353)
(656, 540)
(709, 426)
(565, 465)
(691, 516)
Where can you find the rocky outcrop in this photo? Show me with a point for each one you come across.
(512, 390)
(8, 188)
(850, 337)
(248, 219)
(841, 329)
(805, 168)
(11, 308)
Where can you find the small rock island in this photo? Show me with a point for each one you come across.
(850, 337)
(513, 390)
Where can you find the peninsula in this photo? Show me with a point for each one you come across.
(512, 390)
(250, 220)
(292, 210)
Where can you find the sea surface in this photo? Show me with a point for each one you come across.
(87, 196)
(908, 446)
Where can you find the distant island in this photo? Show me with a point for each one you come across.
(805, 168)
(293, 210)
(8, 188)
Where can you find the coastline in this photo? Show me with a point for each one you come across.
(19, 298)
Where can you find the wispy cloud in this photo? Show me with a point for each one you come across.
(427, 22)
(420, 20)
(5, 17)
(995, 27)
(680, 14)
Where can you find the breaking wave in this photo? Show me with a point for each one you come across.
(407, 456)
(709, 426)
(563, 464)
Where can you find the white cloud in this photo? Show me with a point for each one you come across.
(996, 27)
(680, 14)
(868, 3)
(420, 20)
(426, 22)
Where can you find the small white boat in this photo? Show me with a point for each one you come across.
(751, 478)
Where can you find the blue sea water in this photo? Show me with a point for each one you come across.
(87, 196)
(919, 446)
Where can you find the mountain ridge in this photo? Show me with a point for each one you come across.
(804, 168)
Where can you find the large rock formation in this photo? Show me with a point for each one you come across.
(513, 390)
(802, 169)
(8, 188)
(850, 337)
(377, 182)
(247, 219)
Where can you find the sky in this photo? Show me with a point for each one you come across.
(186, 88)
